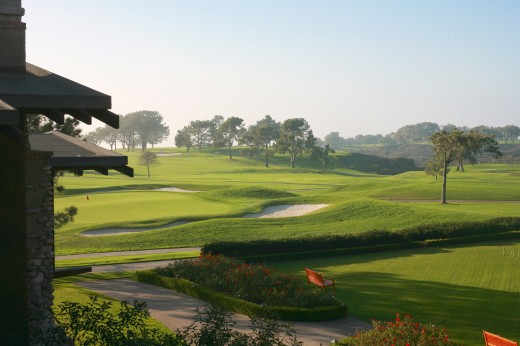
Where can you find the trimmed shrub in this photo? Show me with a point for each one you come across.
(410, 237)
(401, 332)
(334, 310)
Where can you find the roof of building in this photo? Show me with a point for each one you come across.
(39, 91)
(73, 154)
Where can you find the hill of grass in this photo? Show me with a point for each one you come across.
(232, 188)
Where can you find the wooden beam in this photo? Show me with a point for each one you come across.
(81, 115)
(106, 116)
(129, 171)
(8, 115)
(102, 170)
(55, 115)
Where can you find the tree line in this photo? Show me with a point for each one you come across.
(421, 132)
(293, 137)
(137, 129)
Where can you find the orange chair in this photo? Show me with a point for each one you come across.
(495, 340)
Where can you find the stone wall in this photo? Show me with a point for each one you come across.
(40, 241)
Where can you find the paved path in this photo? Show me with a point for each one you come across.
(176, 310)
(128, 253)
(124, 267)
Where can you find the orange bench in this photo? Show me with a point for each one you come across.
(317, 279)
(495, 340)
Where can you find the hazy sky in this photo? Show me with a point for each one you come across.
(356, 67)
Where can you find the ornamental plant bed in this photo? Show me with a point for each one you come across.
(405, 331)
(252, 289)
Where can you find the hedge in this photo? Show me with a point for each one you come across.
(244, 307)
(422, 235)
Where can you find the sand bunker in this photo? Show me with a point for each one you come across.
(174, 189)
(119, 231)
(276, 211)
(286, 210)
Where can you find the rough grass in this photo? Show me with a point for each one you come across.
(463, 288)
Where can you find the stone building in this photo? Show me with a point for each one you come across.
(26, 176)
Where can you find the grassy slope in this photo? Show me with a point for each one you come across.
(464, 288)
(231, 188)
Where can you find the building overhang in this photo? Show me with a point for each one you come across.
(73, 154)
(38, 91)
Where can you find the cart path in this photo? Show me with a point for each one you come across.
(128, 253)
(176, 311)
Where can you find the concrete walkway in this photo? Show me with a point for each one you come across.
(176, 311)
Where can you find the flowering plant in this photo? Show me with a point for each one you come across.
(401, 332)
(256, 283)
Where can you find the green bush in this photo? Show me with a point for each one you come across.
(214, 326)
(401, 332)
(94, 324)
(409, 237)
(329, 312)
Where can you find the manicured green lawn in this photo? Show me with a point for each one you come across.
(463, 288)
(358, 202)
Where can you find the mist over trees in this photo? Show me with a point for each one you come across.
(419, 133)
(137, 129)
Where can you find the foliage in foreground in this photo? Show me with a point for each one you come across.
(214, 326)
(255, 283)
(401, 332)
(94, 324)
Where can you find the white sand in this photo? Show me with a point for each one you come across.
(174, 189)
(276, 211)
(286, 210)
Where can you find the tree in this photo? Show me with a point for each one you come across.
(128, 135)
(214, 125)
(334, 140)
(40, 124)
(322, 154)
(229, 131)
(262, 134)
(511, 133)
(453, 145)
(148, 126)
(148, 159)
(183, 138)
(295, 138)
(475, 143)
(433, 168)
(200, 132)
(105, 134)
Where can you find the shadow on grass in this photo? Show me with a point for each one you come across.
(463, 310)
(130, 187)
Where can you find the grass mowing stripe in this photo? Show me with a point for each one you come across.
(463, 288)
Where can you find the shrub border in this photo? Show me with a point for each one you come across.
(284, 313)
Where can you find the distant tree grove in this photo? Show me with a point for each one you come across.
(137, 129)
(421, 132)
(267, 137)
